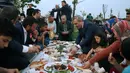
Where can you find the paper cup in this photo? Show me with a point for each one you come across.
(101, 70)
(87, 71)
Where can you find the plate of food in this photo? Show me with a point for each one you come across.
(59, 67)
(72, 69)
(38, 65)
(55, 66)
(35, 71)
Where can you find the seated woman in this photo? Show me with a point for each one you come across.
(99, 43)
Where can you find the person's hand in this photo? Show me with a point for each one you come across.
(86, 65)
(73, 50)
(112, 60)
(83, 58)
(34, 49)
(35, 33)
(45, 32)
(39, 38)
(98, 50)
(12, 71)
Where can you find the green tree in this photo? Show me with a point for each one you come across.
(128, 10)
(83, 13)
(104, 8)
(22, 3)
(75, 3)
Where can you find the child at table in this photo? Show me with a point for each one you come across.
(43, 38)
(125, 53)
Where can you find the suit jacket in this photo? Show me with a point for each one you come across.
(58, 14)
(65, 10)
(12, 56)
(69, 29)
(30, 11)
(20, 36)
(86, 35)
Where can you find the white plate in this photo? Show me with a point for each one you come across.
(34, 71)
(50, 64)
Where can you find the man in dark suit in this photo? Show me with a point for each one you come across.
(65, 29)
(13, 56)
(56, 15)
(6, 34)
(65, 10)
(30, 10)
(86, 34)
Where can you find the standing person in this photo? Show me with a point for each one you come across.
(65, 29)
(85, 36)
(121, 31)
(22, 17)
(30, 10)
(65, 10)
(56, 15)
(36, 14)
(89, 17)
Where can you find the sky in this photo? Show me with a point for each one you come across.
(89, 6)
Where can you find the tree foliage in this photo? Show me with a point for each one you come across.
(22, 3)
(104, 8)
(128, 10)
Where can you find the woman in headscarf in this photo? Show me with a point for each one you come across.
(121, 31)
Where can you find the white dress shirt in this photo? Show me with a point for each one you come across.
(53, 24)
(25, 48)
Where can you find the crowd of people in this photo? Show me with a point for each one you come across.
(21, 36)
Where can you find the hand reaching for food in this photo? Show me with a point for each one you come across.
(112, 60)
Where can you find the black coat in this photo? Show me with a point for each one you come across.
(19, 37)
(86, 35)
(12, 56)
(65, 10)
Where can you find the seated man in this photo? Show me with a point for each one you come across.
(65, 29)
(13, 56)
(43, 38)
(6, 32)
(51, 27)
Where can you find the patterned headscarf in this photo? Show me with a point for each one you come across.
(121, 29)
